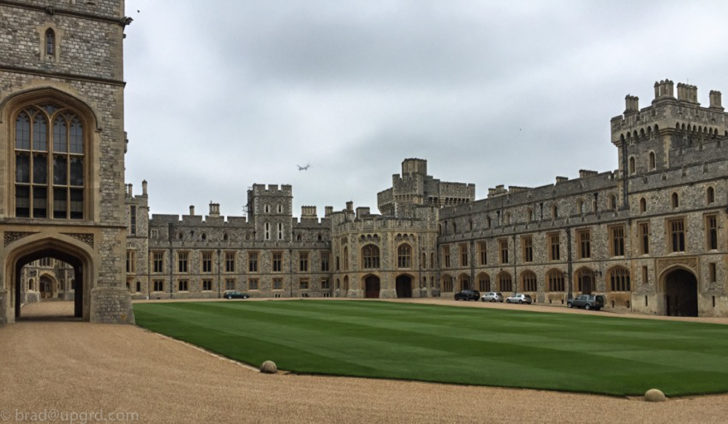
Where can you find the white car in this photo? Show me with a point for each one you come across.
(519, 298)
(492, 297)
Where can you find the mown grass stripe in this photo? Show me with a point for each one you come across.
(456, 345)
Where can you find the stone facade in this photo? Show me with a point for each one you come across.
(650, 235)
(62, 128)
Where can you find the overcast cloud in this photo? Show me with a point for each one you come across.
(223, 94)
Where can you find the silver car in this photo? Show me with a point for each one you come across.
(519, 298)
(492, 297)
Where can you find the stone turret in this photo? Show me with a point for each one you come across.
(664, 90)
(715, 102)
(632, 104)
(687, 93)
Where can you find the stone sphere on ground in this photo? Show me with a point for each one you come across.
(268, 367)
(654, 395)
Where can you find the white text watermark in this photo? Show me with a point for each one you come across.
(52, 415)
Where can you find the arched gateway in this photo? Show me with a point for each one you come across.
(371, 287)
(681, 293)
(38, 247)
(404, 286)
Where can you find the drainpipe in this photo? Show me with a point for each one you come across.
(515, 266)
(171, 260)
(219, 280)
(290, 272)
(570, 266)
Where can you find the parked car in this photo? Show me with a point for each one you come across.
(467, 295)
(587, 301)
(492, 297)
(519, 298)
(234, 294)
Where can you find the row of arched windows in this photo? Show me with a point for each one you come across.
(618, 280)
(675, 199)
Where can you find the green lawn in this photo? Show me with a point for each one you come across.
(584, 353)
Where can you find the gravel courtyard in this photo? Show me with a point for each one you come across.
(65, 367)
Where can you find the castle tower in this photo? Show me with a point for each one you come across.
(270, 211)
(650, 140)
(413, 187)
(62, 129)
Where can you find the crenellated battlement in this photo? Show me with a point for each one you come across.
(668, 114)
(272, 190)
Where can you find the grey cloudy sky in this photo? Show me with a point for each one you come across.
(226, 93)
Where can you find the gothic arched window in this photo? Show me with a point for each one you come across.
(49, 163)
(370, 256)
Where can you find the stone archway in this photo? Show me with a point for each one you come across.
(404, 286)
(65, 256)
(371, 287)
(56, 247)
(681, 293)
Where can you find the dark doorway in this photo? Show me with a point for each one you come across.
(464, 282)
(681, 294)
(56, 254)
(404, 286)
(371, 287)
(586, 282)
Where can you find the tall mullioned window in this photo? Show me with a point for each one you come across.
(676, 228)
(229, 261)
(132, 219)
(253, 262)
(370, 256)
(584, 238)
(303, 261)
(158, 261)
(554, 251)
(464, 255)
(182, 261)
(325, 261)
(206, 262)
(711, 233)
(527, 249)
(404, 256)
(49, 163)
(277, 261)
(644, 238)
(617, 240)
(503, 246)
(483, 253)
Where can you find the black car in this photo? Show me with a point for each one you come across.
(467, 295)
(587, 301)
(233, 294)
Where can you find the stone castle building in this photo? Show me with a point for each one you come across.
(62, 132)
(650, 235)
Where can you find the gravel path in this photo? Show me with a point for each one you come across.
(73, 367)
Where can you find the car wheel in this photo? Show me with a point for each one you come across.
(569, 305)
(587, 307)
